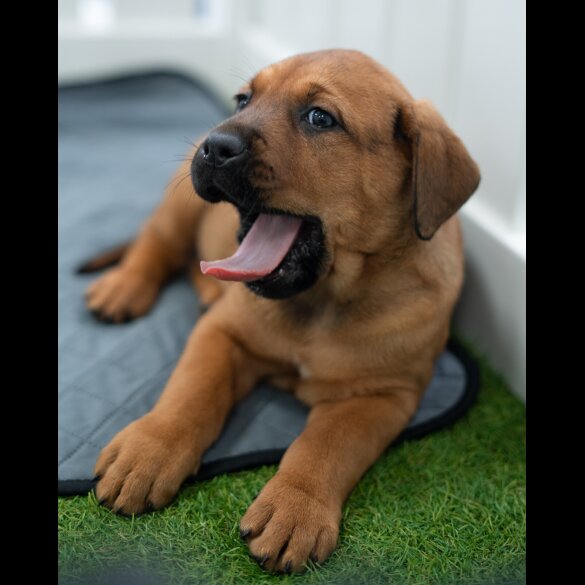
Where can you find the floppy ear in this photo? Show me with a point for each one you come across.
(444, 175)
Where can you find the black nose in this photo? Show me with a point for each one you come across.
(220, 148)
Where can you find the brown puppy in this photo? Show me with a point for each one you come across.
(338, 179)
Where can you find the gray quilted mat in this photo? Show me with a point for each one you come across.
(119, 143)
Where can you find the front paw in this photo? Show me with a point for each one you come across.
(121, 295)
(287, 525)
(144, 466)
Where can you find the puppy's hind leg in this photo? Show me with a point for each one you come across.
(163, 247)
(105, 260)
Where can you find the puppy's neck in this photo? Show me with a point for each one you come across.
(366, 249)
(356, 282)
(354, 275)
(345, 275)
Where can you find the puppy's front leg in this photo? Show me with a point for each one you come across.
(145, 464)
(297, 514)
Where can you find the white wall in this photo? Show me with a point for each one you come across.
(466, 55)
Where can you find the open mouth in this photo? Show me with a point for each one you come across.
(280, 254)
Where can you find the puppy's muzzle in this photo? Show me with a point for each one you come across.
(219, 170)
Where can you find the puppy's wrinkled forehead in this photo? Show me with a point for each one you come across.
(348, 83)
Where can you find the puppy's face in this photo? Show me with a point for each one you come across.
(331, 138)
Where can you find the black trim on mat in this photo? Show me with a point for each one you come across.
(77, 487)
(454, 413)
(74, 487)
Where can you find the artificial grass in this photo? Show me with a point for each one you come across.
(445, 509)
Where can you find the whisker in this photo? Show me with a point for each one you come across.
(248, 62)
(236, 75)
(180, 158)
(188, 141)
(171, 190)
(177, 179)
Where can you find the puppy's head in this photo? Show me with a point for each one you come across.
(327, 151)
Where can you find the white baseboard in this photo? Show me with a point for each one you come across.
(126, 51)
(492, 310)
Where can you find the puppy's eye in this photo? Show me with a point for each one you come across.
(320, 118)
(242, 100)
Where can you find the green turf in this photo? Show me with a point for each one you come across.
(449, 508)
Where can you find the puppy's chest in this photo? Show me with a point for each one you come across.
(303, 365)
(324, 359)
(320, 350)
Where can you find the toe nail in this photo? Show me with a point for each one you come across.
(314, 559)
(244, 533)
(119, 512)
(261, 560)
(288, 567)
(104, 317)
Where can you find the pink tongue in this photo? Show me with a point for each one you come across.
(261, 251)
